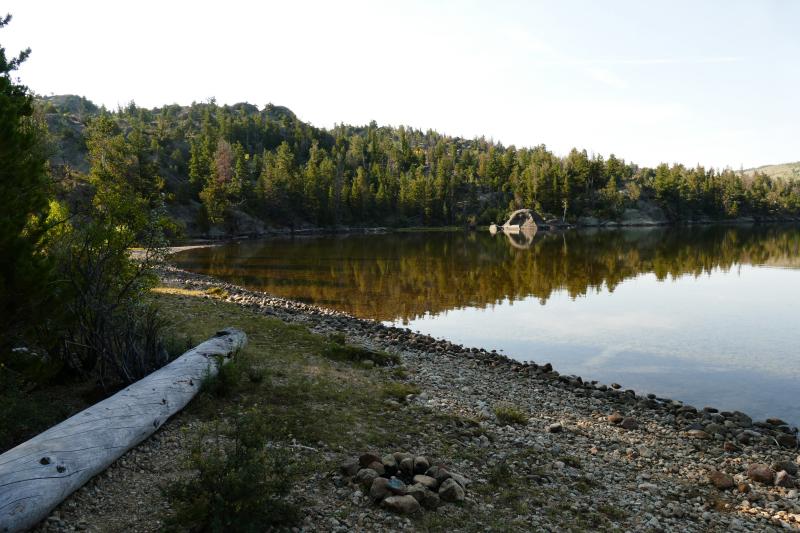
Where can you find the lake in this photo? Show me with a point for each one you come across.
(705, 314)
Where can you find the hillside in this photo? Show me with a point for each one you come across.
(240, 170)
(786, 171)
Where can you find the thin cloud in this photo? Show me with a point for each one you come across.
(606, 77)
(523, 38)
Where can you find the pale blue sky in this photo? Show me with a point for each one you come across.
(709, 82)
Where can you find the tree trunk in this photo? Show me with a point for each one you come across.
(40, 473)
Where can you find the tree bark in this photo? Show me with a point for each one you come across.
(40, 473)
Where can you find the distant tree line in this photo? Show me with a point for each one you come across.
(275, 167)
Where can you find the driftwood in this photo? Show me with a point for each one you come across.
(38, 474)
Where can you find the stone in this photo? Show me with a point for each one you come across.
(431, 472)
(421, 465)
(616, 418)
(744, 438)
(699, 434)
(523, 219)
(418, 491)
(644, 451)
(783, 479)
(776, 422)
(485, 414)
(616, 386)
(365, 477)
(555, 428)
(378, 468)
(461, 480)
(380, 488)
(389, 464)
(350, 466)
(407, 467)
(426, 481)
(722, 481)
(396, 486)
(451, 491)
(715, 429)
(629, 424)
(790, 467)
(649, 487)
(401, 504)
(744, 488)
(431, 501)
(760, 472)
(731, 448)
(687, 409)
(788, 441)
(442, 475)
(399, 456)
(366, 459)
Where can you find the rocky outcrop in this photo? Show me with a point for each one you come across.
(523, 220)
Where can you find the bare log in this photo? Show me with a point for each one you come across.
(38, 474)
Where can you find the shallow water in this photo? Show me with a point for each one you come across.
(707, 315)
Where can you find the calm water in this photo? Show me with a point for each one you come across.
(707, 315)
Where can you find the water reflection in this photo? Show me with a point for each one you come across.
(593, 302)
(401, 277)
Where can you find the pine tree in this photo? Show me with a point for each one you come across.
(24, 272)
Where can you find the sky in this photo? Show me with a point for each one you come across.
(712, 82)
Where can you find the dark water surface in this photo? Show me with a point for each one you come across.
(708, 315)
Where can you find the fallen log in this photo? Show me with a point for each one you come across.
(38, 474)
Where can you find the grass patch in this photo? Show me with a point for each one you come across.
(569, 460)
(510, 414)
(357, 354)
(612, 513)
(399, 391)
(501, 474)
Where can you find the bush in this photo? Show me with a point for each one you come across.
(241, 481)
(399, 391)
(24, 413)
(509, 414)
(224, 382)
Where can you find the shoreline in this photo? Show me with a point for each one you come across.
(668, 445)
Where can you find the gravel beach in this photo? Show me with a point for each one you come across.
(586, 449)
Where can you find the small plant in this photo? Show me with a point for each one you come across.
(337, 338)
(569, 460)
(177, 346)
(216, 291)
(224, 381)
(400, 372)
(501, 474)
(241, 482)
(509, 414)
(399, 391)
(612, 513)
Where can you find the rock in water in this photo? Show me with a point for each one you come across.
(760, 472)
(523, 219)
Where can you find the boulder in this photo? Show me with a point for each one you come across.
(616, 418)
(523, 219)
(396, 486)
(760, 472)
(366, 459)
(418, 492)
(450, 491)
(365, 477)
(350, 466)
(431, 501)
(789, 441)
(776, 422)
(407, 467)
(426, 481)
(421, 465)
(629, 424)
(401, 504)
(378, 468)
(380, 488)
(389, 464)
(790, 467)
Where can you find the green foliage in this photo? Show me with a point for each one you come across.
(217, 292)
(24, 202)
(224, 381)
(241, 484)
(511, 414)
(177, 345)
(399, 391)
(24, 410)
(357, 354)
(500, 475)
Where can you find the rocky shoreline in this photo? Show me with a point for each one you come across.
(656, 457)
(651, 464)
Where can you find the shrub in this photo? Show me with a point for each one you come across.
(399, 391)
(509, 414)
(177, 346)
(241, 481)
(224, 382)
